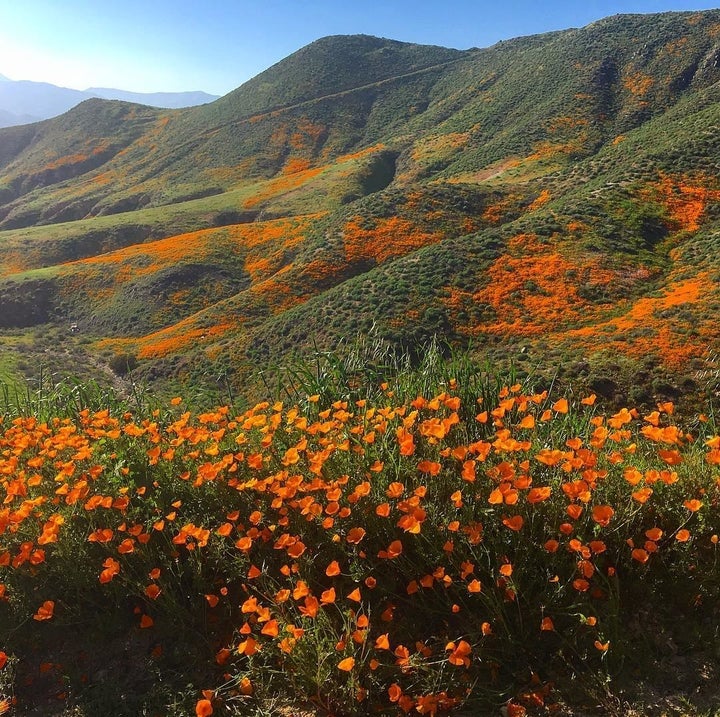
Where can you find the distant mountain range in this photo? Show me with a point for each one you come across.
(24, 101)
(552, 201)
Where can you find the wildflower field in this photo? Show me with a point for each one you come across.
(434, 543)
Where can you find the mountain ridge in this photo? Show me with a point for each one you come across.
(24, 101)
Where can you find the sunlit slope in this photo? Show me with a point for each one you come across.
(292, 112)
(550, 200)
(546, 99)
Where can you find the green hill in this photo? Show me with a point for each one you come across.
(551, 200)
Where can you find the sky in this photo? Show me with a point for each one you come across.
(216, 45)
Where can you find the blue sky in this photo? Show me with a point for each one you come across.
(215, 45)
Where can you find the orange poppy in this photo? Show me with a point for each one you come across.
(602, 514)
(355, 535)
(332, 569)
(347, 664)
(153, 591)
(203, 708)
(642, 495)
(460, 653)
(394, 692)
(515, 522)
(538, 495)
(101, 535)
(474, 586)
(127, 546)
(146, 621)
(431, 467)
(328, 596)
(527, 422)
(112, 568)
(394, 549)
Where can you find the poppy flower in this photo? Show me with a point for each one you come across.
(602, 514)
(515, 710)
(515, 522)
(527, 422)
(153, 591)
(474, 586)
(45, 611)
(332, 569)
(146, 621)
(460, 653)
(538, 495)
(347, 664)
(203, 708)
(394, 692)
(642, 495)
(355, 535)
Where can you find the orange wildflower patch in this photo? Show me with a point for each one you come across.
(272, 524)
(659, 336)
(686, 198)
(638, 84)
(382, 239)
(541, 199)
(530, 290)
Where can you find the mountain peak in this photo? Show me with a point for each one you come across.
(4, 79)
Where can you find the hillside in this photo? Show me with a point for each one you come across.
(550, 201)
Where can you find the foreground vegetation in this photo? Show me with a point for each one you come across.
(379, 541)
